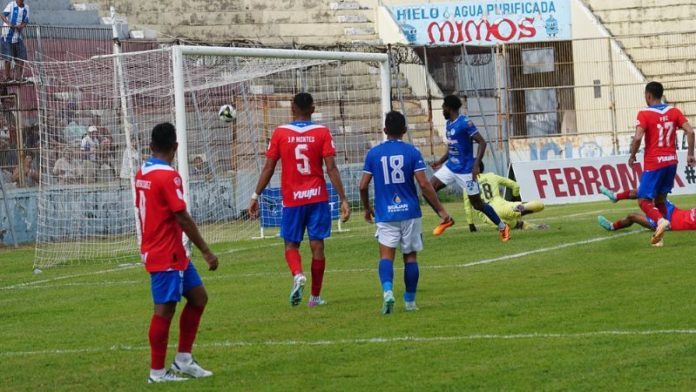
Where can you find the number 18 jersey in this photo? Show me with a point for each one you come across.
(392, 165)
(660, 123)
(301, 147)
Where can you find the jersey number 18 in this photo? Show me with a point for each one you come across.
(393, 169)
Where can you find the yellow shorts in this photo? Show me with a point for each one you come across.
(505, 210)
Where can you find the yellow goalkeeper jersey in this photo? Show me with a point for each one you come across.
(490, 184)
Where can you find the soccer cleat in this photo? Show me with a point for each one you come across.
(604, 222)
(608, 193)
(192, 369)
(297, 289)
(662, 226)
(659, 244)
(168, 376)
(442, 227)
(505, 233)
(315, 301)
(388, 305)
(411, 306)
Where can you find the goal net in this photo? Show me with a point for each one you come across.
(96, 117)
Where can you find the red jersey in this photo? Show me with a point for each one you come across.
(301, 147)
(158, 196)
(660, 123)
(683, 219)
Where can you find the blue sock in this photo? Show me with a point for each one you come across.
(411, 274)
(386, 274)
(490, 213)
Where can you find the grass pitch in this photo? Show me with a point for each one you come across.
(569, 308)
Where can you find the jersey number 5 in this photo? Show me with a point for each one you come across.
(393, 169)
(303, 160)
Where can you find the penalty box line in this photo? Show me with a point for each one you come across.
(365, 341)
(41, 284)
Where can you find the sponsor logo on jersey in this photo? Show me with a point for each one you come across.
(306, 194)
(669, 158)
(397, 205)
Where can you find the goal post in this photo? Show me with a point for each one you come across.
(86, 216)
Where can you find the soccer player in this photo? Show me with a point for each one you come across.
(510, 212)
(394, 164)
(159, 199)
(303, 147)
(658, 123)
(459, 165)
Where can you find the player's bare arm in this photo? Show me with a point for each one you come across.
(429, 194)
(475, 170)
(689, 131)
(439, 162)
(335, 177)
(365, 196)
(635, 145)
(184, 219)
(264, 179)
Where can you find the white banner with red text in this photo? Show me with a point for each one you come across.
(578, 180)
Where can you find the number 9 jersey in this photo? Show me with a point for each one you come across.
(660, 123)
(301, 147)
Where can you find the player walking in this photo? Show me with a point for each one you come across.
(459, 165)
(303, 146)
(659, 123)
(159, 199)
(394, 164)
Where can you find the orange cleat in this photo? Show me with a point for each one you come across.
(442, 227)
(505, 233)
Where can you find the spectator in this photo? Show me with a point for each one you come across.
(73, 132)
(31, 172)
(66, 169)
(15, 17)
(201, 168)
(130, 157)
(106, 169)
(8, 119)
(90, 144)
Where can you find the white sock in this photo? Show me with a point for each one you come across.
(183, 358)
(157, 372)
(501, 226)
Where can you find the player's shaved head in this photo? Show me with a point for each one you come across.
(453, 102)
(395, 124)
(304, 103)
(163, 138)
(655, 89)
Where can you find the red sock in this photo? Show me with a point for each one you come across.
(318, 267)
(623, 195)
(649, 208)
(188, 326)
(617, 225)
(294, 260)
(159, 337)
(662, 207)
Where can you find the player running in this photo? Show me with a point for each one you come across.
(659, 123)
(159, 198)
(303, 147)
(394, 164)
(509, 211)
(459, 165)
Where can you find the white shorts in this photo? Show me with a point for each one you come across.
(408, 234)
(465, 181)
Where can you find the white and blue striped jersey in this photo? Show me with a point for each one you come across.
(392, 165)
(459, 135)
(16, 15)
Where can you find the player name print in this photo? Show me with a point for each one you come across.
(578, 180)
(300, 139)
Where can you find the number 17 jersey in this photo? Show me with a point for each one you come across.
(660, 123)
(392, 165)
(301, 147)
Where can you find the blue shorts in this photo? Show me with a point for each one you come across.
(17, 50)
(170, 286)
(315, 217)
(657, 182)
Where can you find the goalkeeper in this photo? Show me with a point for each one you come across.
(510, 212)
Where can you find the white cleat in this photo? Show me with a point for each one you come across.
(192, 369)
(168, 376)
(388, 304)
(411, 306)
(298, 284)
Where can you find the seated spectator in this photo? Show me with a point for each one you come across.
(31, 172)
(73, 131)
(106, 169)
(90, 144)
(88, 171)
(201, 169)
(130, 157)
(66, 169)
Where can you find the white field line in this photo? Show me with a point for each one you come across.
(41, 285)
(364, 341)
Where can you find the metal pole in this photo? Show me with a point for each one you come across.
(10, 219)
(400, 96)
(181, 131)
(429, 97)
(612, 99)
(385, 84)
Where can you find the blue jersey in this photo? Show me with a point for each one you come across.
(460, 145)
(393, 164)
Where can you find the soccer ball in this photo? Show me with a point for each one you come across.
(227, 113)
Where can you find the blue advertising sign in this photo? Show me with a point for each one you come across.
(485, 23)
(271, 206)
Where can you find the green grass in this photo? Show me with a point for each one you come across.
(566, 316)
